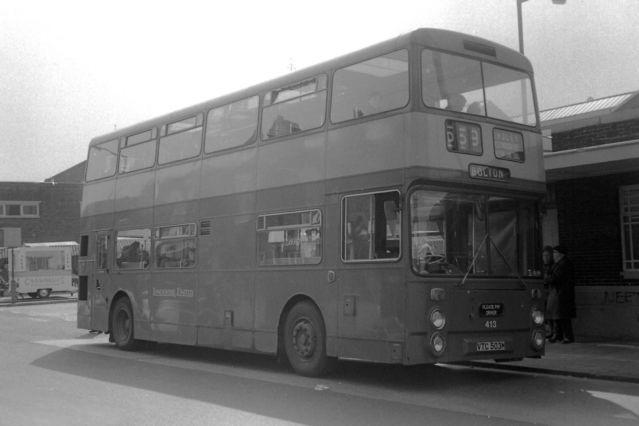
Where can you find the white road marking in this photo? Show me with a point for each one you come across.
(629, 402)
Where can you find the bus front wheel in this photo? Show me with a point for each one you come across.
(122, 325)
(43, 293)
(305, 339)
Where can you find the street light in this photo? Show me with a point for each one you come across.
(520, 25)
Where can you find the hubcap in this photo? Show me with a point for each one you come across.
(304, 338)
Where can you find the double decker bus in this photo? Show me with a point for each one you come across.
(382, 206)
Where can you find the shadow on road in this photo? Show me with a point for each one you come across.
(259, 384)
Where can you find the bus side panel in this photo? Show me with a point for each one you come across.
(135, 285)
(225, 285)
(229, 245)
(172, 305)
(97, 199)
(297, 160)
(232, 173)
(177, 184)
(225, 309)
(371, 311)
(275, 287)
(367, 147)
(135, 191)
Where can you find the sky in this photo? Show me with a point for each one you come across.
(73, 70)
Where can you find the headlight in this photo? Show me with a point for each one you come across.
(437, 319)
(438, 344)
(537, 316)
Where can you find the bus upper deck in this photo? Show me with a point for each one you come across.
(314, 122)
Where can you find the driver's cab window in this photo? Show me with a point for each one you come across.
(371, 227)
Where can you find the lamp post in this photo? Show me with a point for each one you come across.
(520, 25)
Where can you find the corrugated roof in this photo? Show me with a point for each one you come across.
(608, 104)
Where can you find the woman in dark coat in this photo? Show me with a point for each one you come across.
(563, 281)
(552, 303)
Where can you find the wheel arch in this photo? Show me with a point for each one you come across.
(292, 301)
(117, 296)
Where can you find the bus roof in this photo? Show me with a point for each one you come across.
(427, 37)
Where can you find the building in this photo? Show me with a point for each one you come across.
(32, 212)
(592, 208)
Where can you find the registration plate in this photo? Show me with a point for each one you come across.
(492, 346)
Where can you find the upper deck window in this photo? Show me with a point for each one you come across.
(370, 87)
(466, 85)
(140, 137)
(295, 108)
(231, 125)
(102, 160)
(181, 139)
(138, 151)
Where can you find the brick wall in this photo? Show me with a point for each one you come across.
(599, 134)
(59, 210)
(589, 227)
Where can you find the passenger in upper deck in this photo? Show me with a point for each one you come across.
(373, 106)
(456, 102)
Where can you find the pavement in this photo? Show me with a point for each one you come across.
(614, 361)
(26, 301)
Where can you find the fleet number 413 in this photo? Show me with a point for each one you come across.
(490, 324)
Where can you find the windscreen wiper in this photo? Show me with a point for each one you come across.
(476, 255)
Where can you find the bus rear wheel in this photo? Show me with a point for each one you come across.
(305, 340)
(122, 325)
(43, 293)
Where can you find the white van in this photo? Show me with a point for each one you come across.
(40, 269)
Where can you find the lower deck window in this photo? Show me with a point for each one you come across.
(290, 238)
(132, 249)
(175, 246)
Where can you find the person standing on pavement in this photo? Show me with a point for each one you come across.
(551, 295)
(563, 281)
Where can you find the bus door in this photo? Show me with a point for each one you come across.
(371, 319)
(99, 280)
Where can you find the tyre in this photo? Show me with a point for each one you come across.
(43, 293)
(122, 325)
(304, 338)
